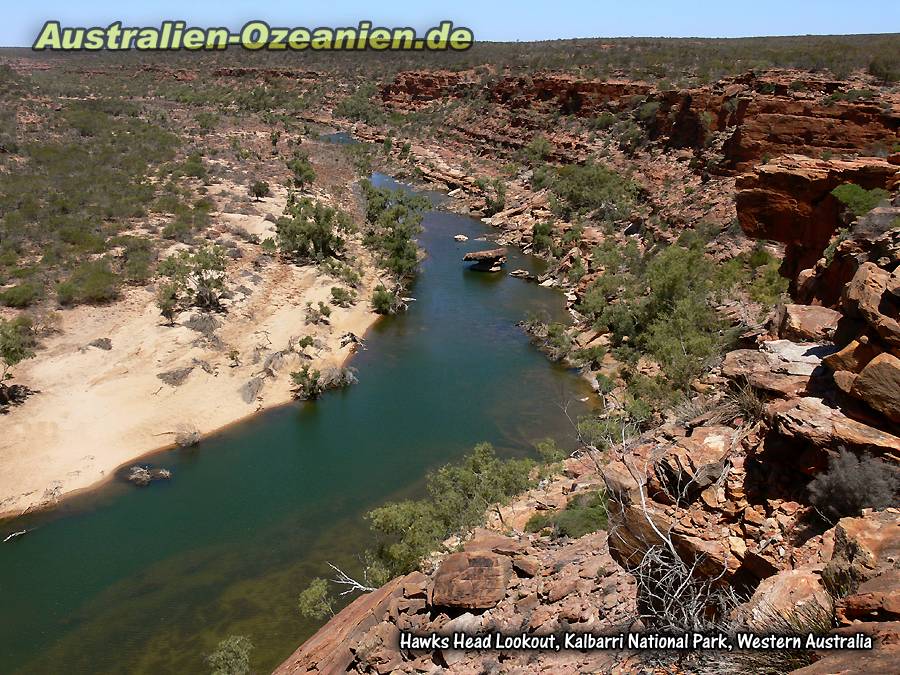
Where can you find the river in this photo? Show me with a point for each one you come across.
(149, 580)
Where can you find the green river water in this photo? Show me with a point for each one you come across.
(127, 580)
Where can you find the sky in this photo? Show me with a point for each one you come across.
(489, 19)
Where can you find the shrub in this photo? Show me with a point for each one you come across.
(457, 497)
(16, 342)
(308, 232)
(231, 657)
(885, 68)
(23, 295)
(541, 239)
(538, 148)
(496, 202)
(591, 187)
(314, 601)
(385, 301)
(167, 301)
(91, 282)
(302, 171)
(342, 297)
(259, 189)
(198, 277)
(193, 166)
(583, 514)
(851, 484)
(393, 219)
(858, 201)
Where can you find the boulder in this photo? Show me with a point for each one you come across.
(797, 592)
(877, 599)
(854, 356)
(879, 385)
(882, 659)
(780, 366)
(864, 548)
(867, 297)
(810, 420)
(330, 650)
(471, 580)
(808, 323)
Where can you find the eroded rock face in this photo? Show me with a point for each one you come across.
(756, 115)
(864, 548)
(808, 323)
(471, 580)
(789, 200)
(810, 420)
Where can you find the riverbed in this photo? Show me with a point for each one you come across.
(149, 580)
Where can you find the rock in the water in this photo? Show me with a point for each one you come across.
(139, 475)
(491, 260)
(475, 580)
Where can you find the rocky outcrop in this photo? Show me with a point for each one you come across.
(497, 583)
(755, 115)
(789, 200)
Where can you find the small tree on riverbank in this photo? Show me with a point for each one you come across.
(16, 343)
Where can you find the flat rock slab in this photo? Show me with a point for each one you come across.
(471, 580)
(490, 254)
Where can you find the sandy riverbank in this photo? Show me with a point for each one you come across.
(101, 408)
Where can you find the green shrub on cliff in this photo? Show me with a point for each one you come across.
(582, 515)
(859, 201)
(591, 187)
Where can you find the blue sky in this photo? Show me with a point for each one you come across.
(489, 19)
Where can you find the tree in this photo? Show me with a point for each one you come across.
(385, 301)
(315, 602)
(308, 232)
(200, 276)
(167, 301)
(259, 189)
(16, 343)
(394, 219)
(302, 170)
(231, 657)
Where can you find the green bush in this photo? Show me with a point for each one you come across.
(17, 343)
(393, 219)
(231, 657)
(590, 187)
(259, 189)
(859, 201)
(23, 295)
(308, 231)
(385, 301)
(342, 297)
(583, 514)
(91, 282)
(301, 170)
(541, 237)
(457, 497)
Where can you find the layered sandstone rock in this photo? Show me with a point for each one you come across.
(789, 200)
